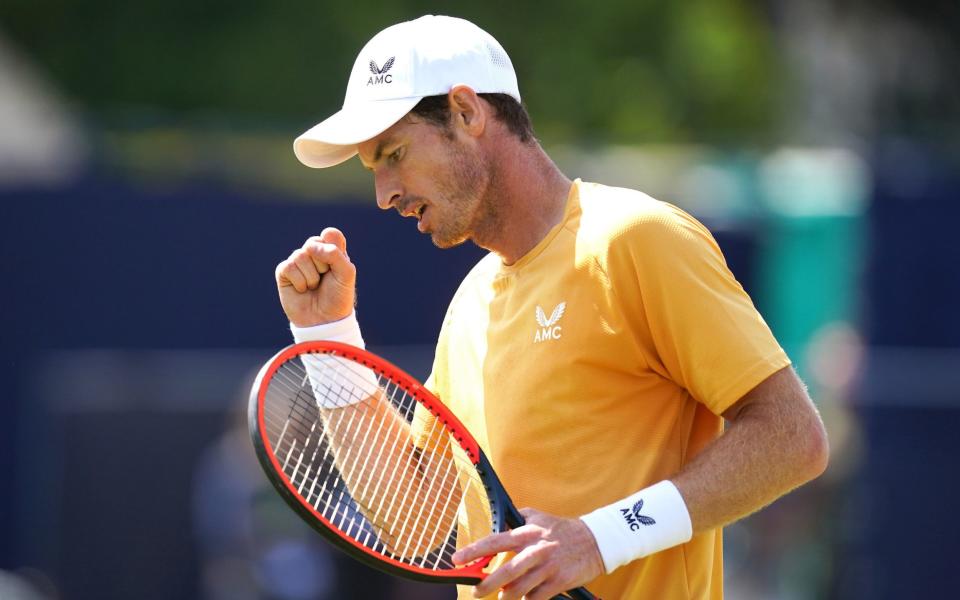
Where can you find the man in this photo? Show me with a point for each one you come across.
(597, 349)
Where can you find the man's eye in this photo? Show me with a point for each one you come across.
(396, 155)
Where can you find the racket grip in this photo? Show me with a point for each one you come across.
(578, 594)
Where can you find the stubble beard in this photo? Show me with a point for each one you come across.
(471, 213)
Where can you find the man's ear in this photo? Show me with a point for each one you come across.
(467, 110)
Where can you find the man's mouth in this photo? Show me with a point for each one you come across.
(421, 224)
(412, 210)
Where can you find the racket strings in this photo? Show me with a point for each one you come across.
(359, 467)
(403, 549)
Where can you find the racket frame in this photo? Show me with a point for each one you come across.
(504, 514)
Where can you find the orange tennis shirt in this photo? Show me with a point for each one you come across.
(599, 363)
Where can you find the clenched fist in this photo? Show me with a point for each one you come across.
(317, 282)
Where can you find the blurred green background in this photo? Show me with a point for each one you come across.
(618, 72)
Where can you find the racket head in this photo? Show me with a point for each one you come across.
(283, 399)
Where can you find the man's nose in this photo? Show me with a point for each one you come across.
(389, 192)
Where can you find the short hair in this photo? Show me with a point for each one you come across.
(436, 110)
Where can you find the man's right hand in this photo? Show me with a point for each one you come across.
(317, 282)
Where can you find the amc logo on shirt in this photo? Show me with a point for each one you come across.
(549, 330)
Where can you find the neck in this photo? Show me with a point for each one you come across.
(527, 196)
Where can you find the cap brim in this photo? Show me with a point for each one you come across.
(335, 140)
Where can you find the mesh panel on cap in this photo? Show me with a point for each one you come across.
(497, 57)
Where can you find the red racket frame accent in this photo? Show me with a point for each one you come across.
(468, 574)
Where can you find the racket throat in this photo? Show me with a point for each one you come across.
(504, 514)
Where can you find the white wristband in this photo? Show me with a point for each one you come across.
(653, 519)
(336, 382)
(346, 330)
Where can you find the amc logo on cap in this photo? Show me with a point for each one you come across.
(379, 74)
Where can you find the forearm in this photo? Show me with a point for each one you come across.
(371, 445)
(775, 442)
(390, 478)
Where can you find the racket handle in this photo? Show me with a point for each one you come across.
(578, 594)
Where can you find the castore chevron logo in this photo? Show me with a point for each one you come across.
(633, 517)
(549, 330)
(380, 74)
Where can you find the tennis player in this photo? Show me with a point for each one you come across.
(595, 352)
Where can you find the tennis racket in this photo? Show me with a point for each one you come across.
(376, 463)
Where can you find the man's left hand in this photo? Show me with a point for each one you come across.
(552, 555)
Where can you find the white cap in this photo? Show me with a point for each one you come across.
(396, 69)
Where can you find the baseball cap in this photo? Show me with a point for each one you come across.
(396, 69)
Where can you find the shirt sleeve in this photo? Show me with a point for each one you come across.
(697, 324)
